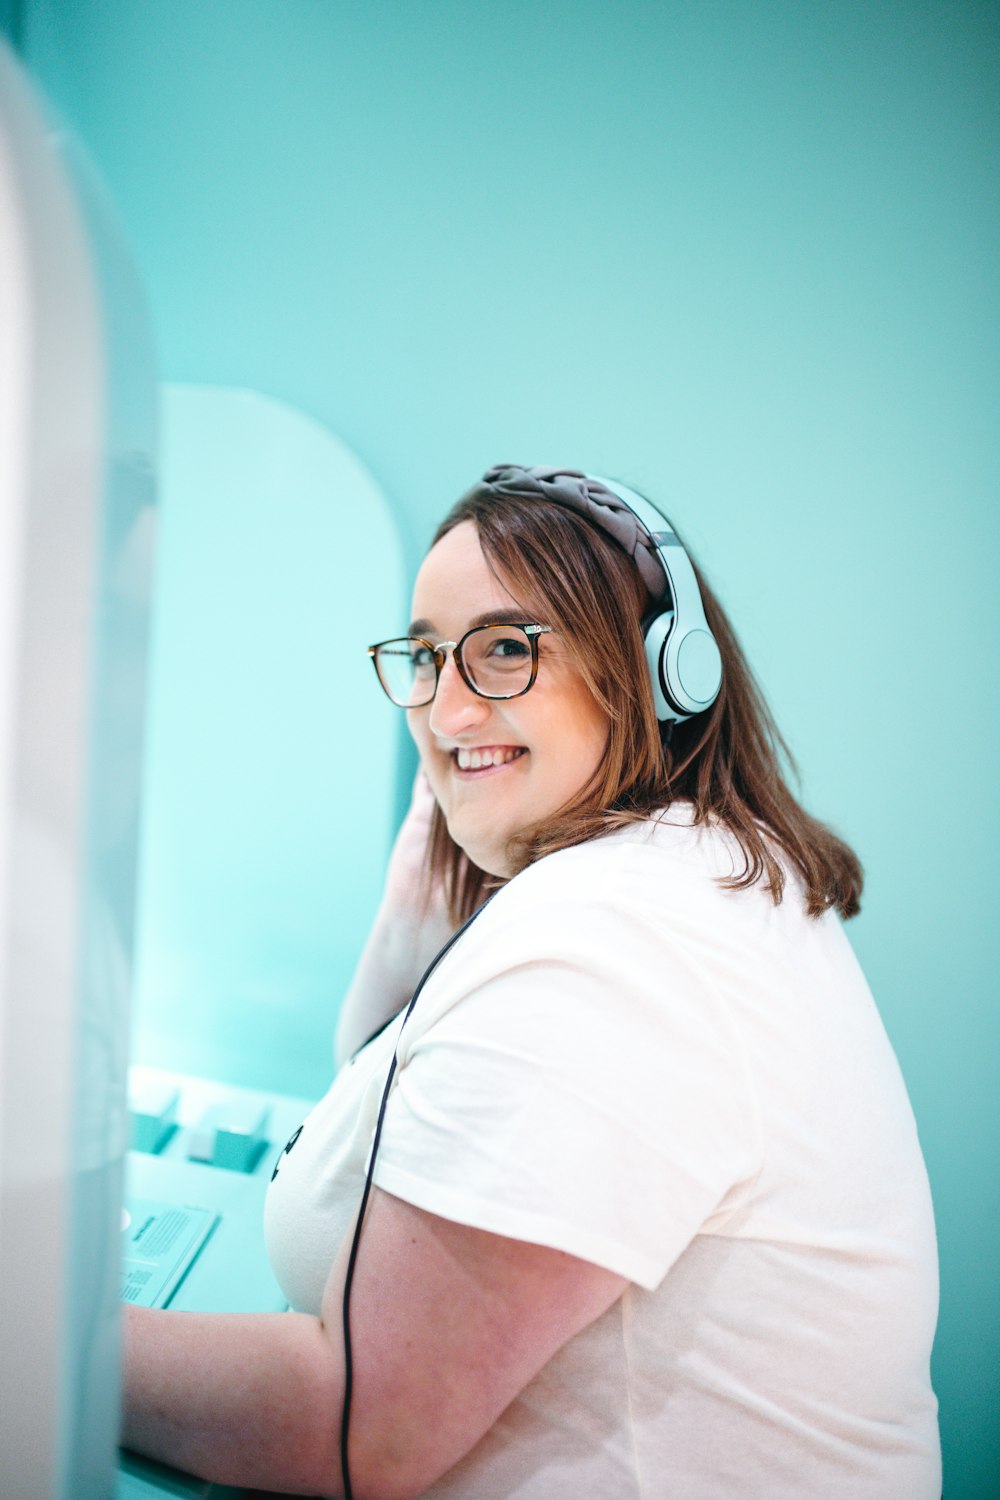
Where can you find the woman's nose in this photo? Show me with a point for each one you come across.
(456, 709)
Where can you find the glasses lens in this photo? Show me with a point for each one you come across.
(498, 660)
(407, 671)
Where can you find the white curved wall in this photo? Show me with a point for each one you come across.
(75, 544)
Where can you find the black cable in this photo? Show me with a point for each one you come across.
(345, 1420)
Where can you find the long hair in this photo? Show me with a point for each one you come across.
(728, 761)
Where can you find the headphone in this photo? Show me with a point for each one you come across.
(685, 665)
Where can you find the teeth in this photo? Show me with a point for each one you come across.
(475, 760)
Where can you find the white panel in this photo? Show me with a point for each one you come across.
(52, 419)
(74, 559)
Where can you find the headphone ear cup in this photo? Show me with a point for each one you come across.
(695, 669)
(686, 672)
(657, 633)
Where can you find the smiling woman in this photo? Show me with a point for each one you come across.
(628, 1200)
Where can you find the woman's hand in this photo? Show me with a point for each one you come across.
(404, 875)
(410, 927)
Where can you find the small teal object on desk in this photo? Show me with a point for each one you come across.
(231, 1135)
(152, 1108)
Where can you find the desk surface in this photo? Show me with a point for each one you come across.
(232, 1272)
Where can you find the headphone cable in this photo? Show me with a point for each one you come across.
(345, 1420)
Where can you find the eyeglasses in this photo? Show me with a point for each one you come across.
(495, 661)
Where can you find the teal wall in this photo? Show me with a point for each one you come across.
(11, 20)
(742, 254)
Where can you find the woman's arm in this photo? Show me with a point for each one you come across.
(242, 1399)
(448, 1325)
(406, 933)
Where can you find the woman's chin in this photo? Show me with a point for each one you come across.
(489, 854)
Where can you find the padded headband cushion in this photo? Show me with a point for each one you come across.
(579, 492)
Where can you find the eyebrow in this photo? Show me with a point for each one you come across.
(491, 617)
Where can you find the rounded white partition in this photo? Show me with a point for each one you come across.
(76, 535)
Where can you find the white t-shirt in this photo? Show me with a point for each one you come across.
(692, 1087)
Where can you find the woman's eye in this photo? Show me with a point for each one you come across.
(509, 648)
(421, 659)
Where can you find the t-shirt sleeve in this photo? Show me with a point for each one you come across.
(575, 1080)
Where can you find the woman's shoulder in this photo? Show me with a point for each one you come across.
(627, 910)
(667, 845)
(668, 872)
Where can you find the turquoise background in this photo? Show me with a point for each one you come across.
(740, 254)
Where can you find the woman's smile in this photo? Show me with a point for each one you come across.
(478, 759)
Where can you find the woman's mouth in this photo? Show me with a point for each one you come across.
(484, 758)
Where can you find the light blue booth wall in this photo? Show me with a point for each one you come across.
(272, 757)
(740, 254)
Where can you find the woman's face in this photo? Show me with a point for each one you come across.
(551, 739)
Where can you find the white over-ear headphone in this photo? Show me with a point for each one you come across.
(685, 665)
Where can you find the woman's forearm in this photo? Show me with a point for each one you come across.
(240, 1399)
(399, 948)
(410, 927)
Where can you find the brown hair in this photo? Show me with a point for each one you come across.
(726, 761)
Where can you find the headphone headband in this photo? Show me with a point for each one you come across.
(593, 498)
(685, 665)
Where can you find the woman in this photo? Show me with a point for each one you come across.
(648, 1214)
